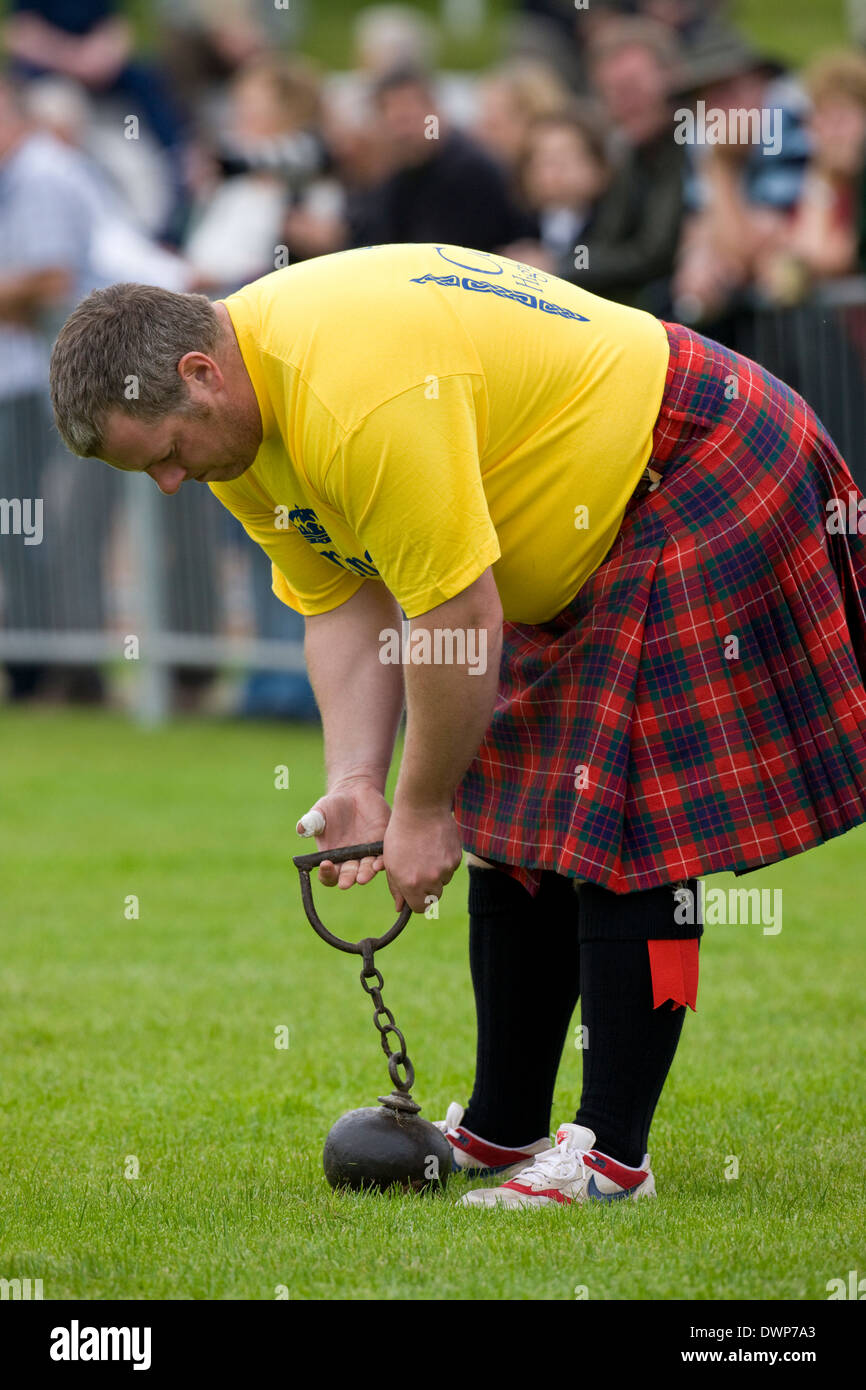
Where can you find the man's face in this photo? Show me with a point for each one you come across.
(632, 85)
(403, 115)
(205, 445)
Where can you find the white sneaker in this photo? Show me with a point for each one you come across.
(572, 1171)
(473, 1155)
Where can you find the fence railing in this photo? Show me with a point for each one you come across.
(116, 572)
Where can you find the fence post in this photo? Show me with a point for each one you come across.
(152, 695)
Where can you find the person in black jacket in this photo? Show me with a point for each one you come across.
(631, 255)
(628, 251)
(442, 186)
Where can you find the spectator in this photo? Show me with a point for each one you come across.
(739, 198)
(630, 250)
(61, 585)
(388, 37)
(119, 249)
(820, 241)
(566, 171)
(269, 151)
(90, 42)
(45, 230)
(442, 186)
(384, 38)
(511, 99)
(558, 34)
(204, 45)
(316, 224)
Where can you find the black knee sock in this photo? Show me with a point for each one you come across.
(629, 1045)
(524, 957)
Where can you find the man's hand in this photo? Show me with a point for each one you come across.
(422, 852)
(355, 813)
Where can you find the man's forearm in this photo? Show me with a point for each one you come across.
(360, 698)
(360, 695)
(450, 702)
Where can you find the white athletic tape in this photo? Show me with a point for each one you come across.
(313, 823)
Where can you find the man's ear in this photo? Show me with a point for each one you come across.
(197, 369)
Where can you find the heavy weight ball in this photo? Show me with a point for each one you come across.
(376, 1147)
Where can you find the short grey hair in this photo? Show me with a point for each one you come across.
(119, 350)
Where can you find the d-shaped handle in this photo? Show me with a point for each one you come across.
(304, 863)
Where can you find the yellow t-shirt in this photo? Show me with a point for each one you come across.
(429, 411)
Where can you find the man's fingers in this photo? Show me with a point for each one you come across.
(353, 871)
(327, 873)
(370, 868)
(399, 900)
(342, 875)
(349, 872)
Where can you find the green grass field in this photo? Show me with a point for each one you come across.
(151, 1042)
(794, 29)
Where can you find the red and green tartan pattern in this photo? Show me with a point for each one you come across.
(633, 743)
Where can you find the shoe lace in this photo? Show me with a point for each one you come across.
(557, 1164)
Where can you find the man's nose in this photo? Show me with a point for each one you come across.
(168, 477)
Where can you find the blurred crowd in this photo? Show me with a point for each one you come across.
(223, 152)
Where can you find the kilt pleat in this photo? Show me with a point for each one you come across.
(700, 705)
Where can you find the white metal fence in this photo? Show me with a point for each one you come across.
(99, 567)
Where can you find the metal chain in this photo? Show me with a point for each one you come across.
(397, 1059)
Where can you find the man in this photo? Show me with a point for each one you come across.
(663, 642)
(441, 186)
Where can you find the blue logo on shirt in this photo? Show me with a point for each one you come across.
(306, 522)
(304, 519)
(531, 301)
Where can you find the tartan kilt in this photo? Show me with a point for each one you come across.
(700, 704)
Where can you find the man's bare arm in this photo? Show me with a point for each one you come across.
(449, 704)
(449, 707)
(360, 700)
(448, 710)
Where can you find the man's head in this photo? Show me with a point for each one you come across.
(633, 64)
(154, 382)
(405, 101)
(836, 83)
(566, 163)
